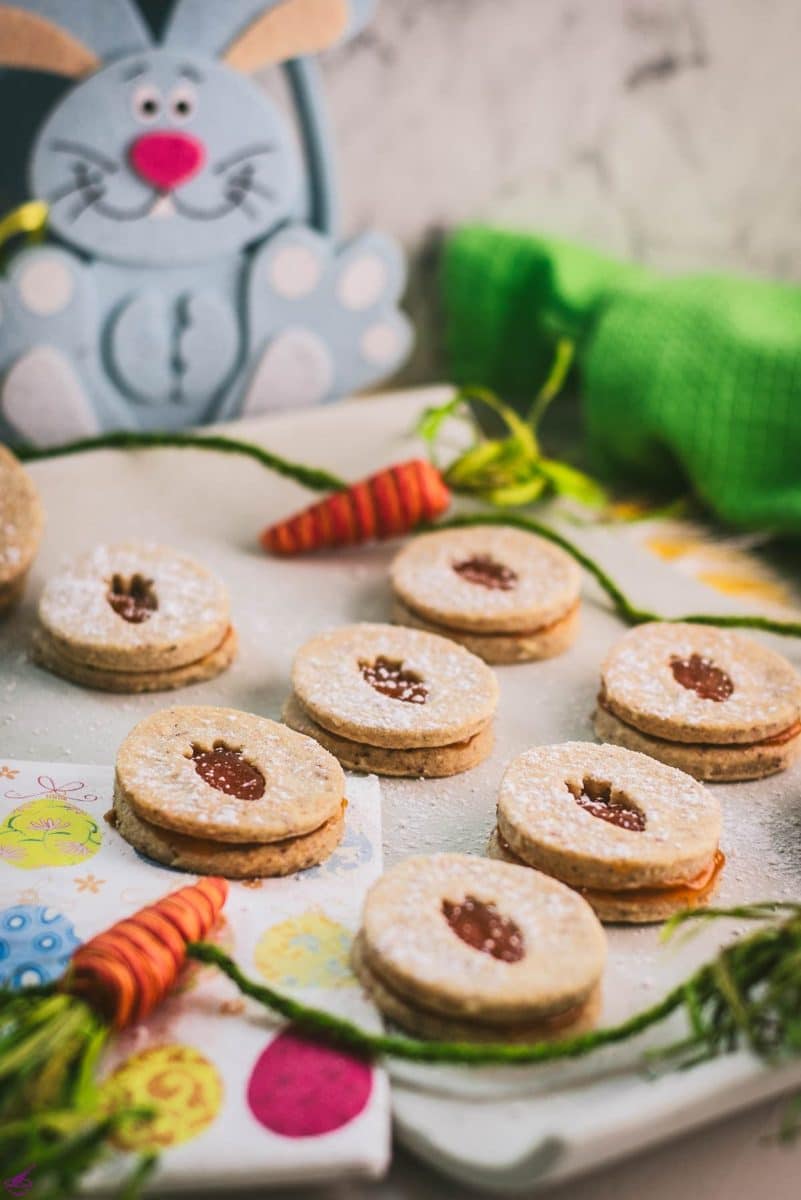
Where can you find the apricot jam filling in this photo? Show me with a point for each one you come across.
(693, 890)
(596, 798)
(700, 675)
(484, 571)
(689, 892)
(481, 926)
(228, 771)
(392, 679)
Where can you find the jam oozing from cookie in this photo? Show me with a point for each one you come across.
(483, 570)
(228, 771)
(596, 799)
(700, 675)
(134, 599)
(481, 926)
(390, 678)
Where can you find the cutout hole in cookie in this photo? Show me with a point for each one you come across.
(132, 597)
(390, 678)
(600, 800)
(228, 771)
(481, 926)
(700, 675)
(483, 570)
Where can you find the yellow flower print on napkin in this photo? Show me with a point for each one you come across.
(48, 832)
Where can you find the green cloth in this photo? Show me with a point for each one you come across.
(695, 379)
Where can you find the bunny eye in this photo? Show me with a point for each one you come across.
(183, 102)
(146, 103)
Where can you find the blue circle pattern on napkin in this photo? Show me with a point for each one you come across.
(36, 943)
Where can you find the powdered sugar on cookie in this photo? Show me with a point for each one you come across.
(500, 580)
(539, 818)
(334, 686)
(640, 685)
(158, 777)
(409, 942)
(75, 603)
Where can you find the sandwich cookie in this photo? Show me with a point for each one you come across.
(21, 525)
(462, 948)
(638, 839)
(710, 701)
(394, 701)
(214, 790)
(134, 617)
(507, 595)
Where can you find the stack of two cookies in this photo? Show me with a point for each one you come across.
(21, 522)
(505, 594)
(221, 792)
(134, 617)
(637, 839)
(394, 701)
(712, 702)
(457, 947)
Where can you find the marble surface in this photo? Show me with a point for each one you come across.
(667, 130)
(662, 130)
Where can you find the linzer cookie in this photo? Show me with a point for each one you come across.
(21, 524)
(710, 701)
(457, 947)
(394, 701)
(638, 839)
(507, 595)
(214, 790)
(135, 617)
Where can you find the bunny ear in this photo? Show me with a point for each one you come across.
(290, 29)
(249, 34)
(65, 38)
(33, 43)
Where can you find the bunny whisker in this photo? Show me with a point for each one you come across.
(247, 209)
(69, 189)
(260, 189)
(82, 181)
(85, 152)
(88, 199)
(241, 186)
(240, 156)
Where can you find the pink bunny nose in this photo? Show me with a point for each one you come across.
(167, 160)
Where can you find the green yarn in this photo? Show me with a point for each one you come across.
(314, 478)
(622, 605)
(692, 381)
(747, 996)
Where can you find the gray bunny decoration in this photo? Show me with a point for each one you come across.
(190, 272)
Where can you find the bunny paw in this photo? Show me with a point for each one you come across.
(46, 322)
(326, 321)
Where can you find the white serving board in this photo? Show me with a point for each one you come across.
(567, 1120)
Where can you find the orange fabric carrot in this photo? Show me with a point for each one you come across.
(390, 503)
(124, 972)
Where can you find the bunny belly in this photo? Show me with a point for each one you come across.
(171, 340)
(87, 347)
(298, 320)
